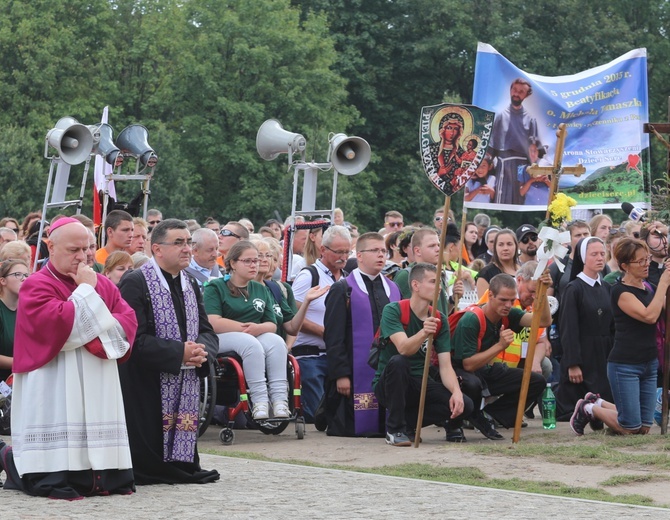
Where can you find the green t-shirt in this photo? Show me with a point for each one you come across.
(467, 332)
(391, 324)
(257, 308)
(612, 277)
(7, 326)
(285, 310)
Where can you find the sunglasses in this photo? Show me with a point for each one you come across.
(528, 238)
(229, 233)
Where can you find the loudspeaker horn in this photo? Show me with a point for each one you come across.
(133, 140)
(72, 140)
(104, 145)
(349, 155)
(272, 140)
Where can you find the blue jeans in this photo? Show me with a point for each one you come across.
(313, 372)
(634, 390)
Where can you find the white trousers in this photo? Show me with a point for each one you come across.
(262, 354)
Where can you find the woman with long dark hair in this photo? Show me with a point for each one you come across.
(505, 260)
(632, 363)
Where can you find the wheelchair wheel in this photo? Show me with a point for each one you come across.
(207, 397)
(226, 436)
(300, 428)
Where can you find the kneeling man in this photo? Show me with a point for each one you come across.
(68, 425)
(398, 378)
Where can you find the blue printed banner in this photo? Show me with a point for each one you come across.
(604, 109)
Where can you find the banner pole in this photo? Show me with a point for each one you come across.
(429, 346)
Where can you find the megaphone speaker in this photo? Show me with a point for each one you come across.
(349, 155)
(273, 140)
(72, 140)
(133, 140)
(105, 145)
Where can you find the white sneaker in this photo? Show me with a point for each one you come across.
(260, 411)
(281, 409)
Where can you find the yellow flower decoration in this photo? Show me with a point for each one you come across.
(559, 209)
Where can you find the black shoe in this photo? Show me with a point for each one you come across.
(456, 435)
(530, 414)
(320, 422)
(485, 427)
(411, 435)
(579, 418)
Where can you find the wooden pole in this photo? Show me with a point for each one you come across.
(429, 346)
(540, 295)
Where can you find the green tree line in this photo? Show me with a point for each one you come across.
(203, 75)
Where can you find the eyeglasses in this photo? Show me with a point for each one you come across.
(376, 251)
(339, 252)
(249, 261)
(180, 242)
(229, 233)
(268, 256)
(19, 276)
(528, 238)
(154, 222)
(642, 262)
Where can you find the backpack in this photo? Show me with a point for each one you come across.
(455, 317)
(315, 274)
(379, 343)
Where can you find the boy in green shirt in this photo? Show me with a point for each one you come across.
(397, 382)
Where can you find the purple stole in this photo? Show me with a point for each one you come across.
(180, 393)
(366, 408)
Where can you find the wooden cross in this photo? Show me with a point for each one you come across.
(657, 129)
(540, 298)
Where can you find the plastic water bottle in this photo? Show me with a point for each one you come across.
(548, 409)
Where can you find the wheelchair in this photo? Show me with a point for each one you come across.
(225, 385)
(6, 405)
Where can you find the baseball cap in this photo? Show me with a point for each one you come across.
(524, 229)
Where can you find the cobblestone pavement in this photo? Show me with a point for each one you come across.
(258, 489)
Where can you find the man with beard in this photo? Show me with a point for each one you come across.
(655, 235)
(474, 357)
(514, 141)
(528, 240)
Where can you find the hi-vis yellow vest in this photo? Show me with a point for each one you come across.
(512, 354)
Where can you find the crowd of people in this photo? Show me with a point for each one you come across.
(105, 346)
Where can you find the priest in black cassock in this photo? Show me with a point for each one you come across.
(160, 382)
(353, 312)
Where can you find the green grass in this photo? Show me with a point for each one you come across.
(463, 475)
(622, 480)
(612, 452)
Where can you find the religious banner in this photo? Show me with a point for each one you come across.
(604, 109)
(453, 141)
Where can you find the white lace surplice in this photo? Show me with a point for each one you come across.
(68, 414)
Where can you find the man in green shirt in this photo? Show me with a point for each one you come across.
(397, 382)
(481, 376)
(425, 246)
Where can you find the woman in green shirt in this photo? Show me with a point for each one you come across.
(12, 275)
(242, 314)
(289, 316)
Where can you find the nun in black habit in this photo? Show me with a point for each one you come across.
(586, 323)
